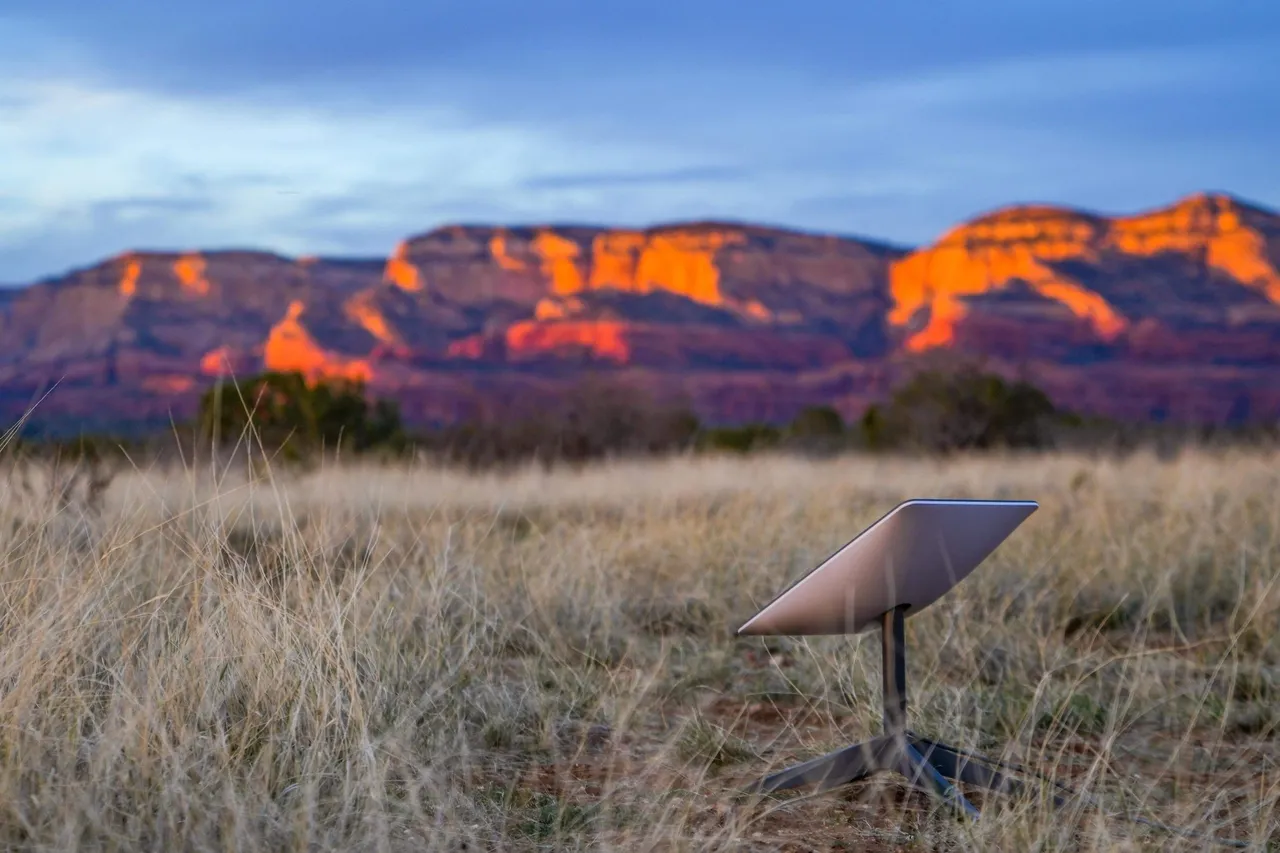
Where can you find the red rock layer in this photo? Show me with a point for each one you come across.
(1024, 243)
(1085, 301)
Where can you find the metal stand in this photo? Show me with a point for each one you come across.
(925, 763)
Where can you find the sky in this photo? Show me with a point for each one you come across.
(327, 127)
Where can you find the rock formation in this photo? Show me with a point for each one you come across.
(1170, 314)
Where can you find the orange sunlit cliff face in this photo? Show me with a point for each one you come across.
(559, 262)
(678, 261)
(216, 362)
(401, 272)
(190, 271)
(290, 347)
(498, 250)
(361, 310)
(1022, 243)
(1207, 225)
(683, 263)
(987, 255)
(602, 340)
(129, 279)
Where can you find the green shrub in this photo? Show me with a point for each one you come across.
(741, 439)
(817, 428)
(941, 411)
(286, 413)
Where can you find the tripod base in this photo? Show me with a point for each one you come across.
(926, 764)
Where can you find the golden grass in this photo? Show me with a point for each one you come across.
(414, 659)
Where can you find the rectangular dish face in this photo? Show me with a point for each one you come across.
(911, 556)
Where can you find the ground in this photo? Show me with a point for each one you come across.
(407, 658)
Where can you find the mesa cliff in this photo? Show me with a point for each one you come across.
(1169, 314)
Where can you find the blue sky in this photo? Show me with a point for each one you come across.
(331, 127)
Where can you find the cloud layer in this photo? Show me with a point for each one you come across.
(336, 128)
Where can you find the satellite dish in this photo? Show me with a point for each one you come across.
(909, 558)
(898, 566)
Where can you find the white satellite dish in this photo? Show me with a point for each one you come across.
(895, 568)
(909, 558)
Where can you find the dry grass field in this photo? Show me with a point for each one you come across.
(412, 659)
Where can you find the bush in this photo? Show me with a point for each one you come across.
(740, 439)
(817, 429)
(942, 411)
(817, 422)
(283, 412)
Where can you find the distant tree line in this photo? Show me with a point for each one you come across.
(938, 411)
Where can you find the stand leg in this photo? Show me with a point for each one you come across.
(893, 670)
(961, 768)
(922, 774)
(831, 770)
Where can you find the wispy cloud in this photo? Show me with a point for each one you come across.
(353, 158)
(145, 207)
(230, 170)
(688, 175)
